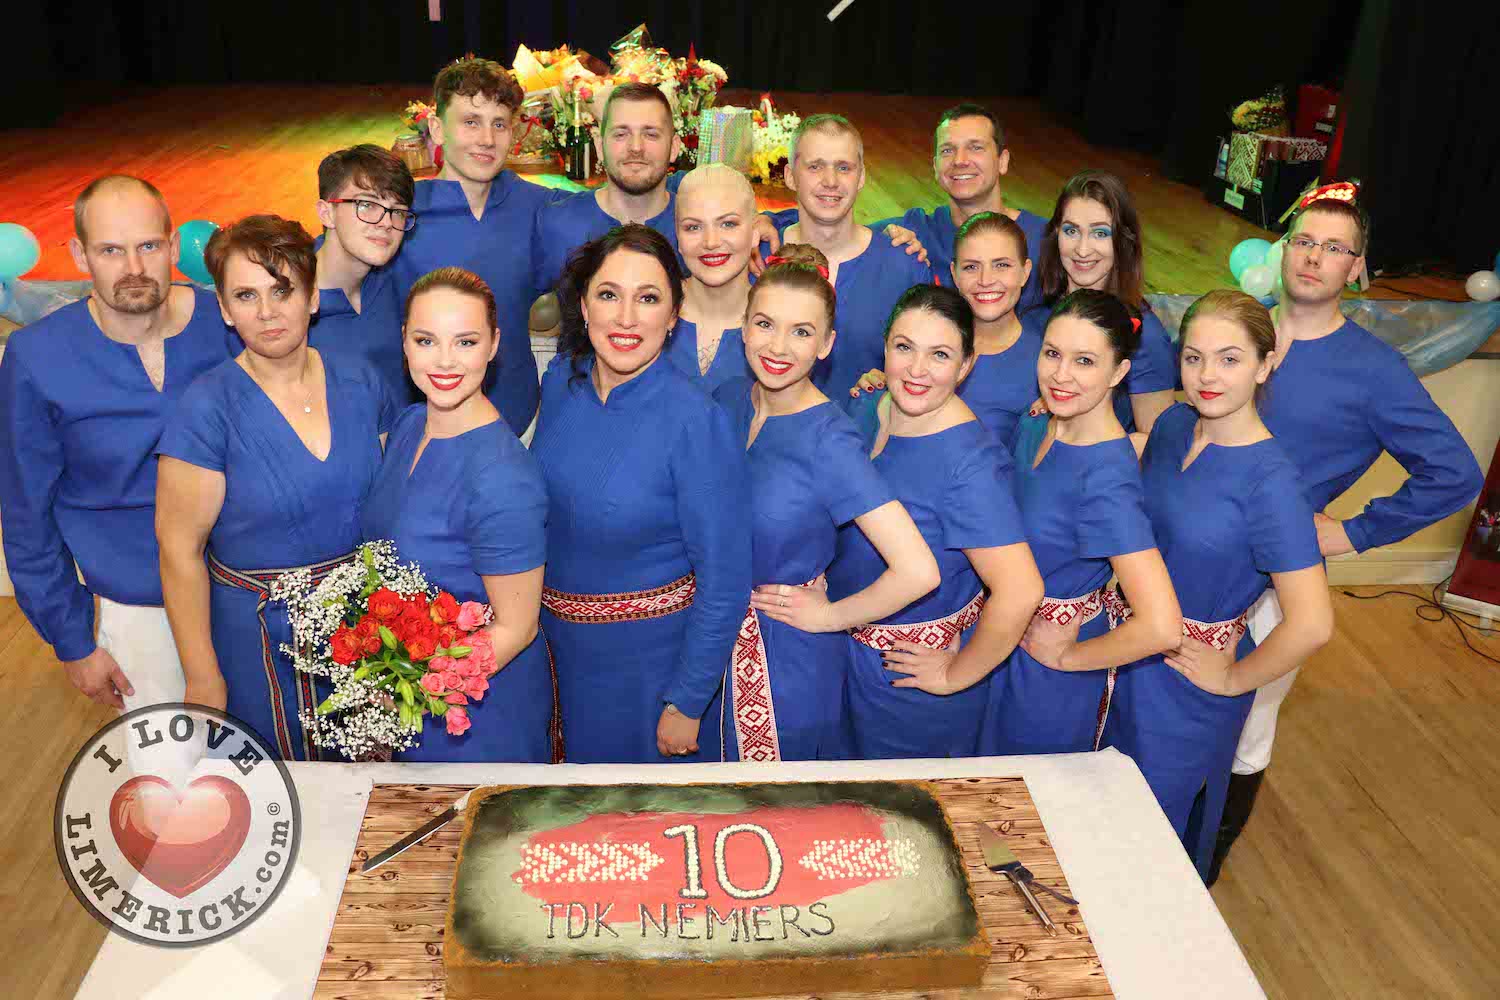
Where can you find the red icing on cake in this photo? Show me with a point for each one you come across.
(626, 858)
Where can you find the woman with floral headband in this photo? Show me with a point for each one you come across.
(810, 473)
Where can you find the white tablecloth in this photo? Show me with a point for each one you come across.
(1156, 928)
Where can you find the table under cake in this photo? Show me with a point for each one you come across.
(1087, 823)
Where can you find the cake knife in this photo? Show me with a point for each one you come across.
(418, 835)
(998, 857)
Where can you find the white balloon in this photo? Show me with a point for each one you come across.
(1257, 281)
(1483, 286)
(1273, 257)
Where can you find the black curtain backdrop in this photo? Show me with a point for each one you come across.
(1159, 76)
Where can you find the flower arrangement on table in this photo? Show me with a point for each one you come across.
(395, 650)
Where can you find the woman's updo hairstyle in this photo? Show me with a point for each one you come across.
(798, 266)
(584, 263)
(1109, 314)
(941, 301)
(992, 222)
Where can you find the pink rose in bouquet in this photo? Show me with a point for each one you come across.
(457, 719)
(432, 683)
(471, 615)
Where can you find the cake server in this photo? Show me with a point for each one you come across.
(418, 835)
(998, 857)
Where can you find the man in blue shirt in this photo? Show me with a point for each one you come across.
(84, 395)
(969, 156)
(364, 202)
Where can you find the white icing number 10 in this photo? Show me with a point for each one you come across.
(694, 864)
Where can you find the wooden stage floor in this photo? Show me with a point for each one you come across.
(222, 152)
(1371, 868)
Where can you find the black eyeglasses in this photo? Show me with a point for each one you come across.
(373, 212)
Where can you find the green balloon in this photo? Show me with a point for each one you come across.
(192, 240)
(19, 250)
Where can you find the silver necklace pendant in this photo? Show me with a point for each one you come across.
(307, 409)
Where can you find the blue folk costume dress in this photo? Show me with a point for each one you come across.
(567, 223)
(499, 247)
(1002, 387)
(810, 473)
(473, 506)
(370, 335)
(648, 559)
(1153, 366)
(729, 361)
(283, 509)
(1082, 505)
(956, 485)
(78, 467)
(1223, 524)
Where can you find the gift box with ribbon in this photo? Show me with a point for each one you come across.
(726, 135)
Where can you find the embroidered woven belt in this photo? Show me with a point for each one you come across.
(1065, 610)
(754, 708)
(258, 582)
(936, 634)
(595, 609)
(1218, 635)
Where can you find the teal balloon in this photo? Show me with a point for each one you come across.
(192, 237)
(19, 251)
(1247, 253)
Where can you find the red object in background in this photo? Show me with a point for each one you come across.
(1317, 112)
(1476, 578)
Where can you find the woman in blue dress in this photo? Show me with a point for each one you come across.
(648, 558)
(715, 211)
(1078, 483)
(265, 465)
(462, 498)
(955, 480)
(1094, 240)
(1230, 518)
(991, 268)
(810, 472)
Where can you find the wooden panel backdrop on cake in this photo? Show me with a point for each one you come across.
(387, 940)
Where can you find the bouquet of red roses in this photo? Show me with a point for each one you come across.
(395, 650)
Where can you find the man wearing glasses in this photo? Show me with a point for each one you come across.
(364, 202)
(1338, 398)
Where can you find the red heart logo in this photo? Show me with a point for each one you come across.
(179, 841)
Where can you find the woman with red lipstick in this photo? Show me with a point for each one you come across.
(991, 269)
(1094, 240)
(1078, 484)
(1228, 511)
(462, 498)
(265, 463)
(810, 472)
(648, 559)
(954, 479)
(715, 213)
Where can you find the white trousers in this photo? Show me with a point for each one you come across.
(140, 640)
(1254, 752)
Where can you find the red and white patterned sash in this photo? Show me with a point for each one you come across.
(1217, 635)
(754, 708)
(637, 605)
(1065, 610)
(936, 634)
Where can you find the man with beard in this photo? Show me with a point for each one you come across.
(87, 391)
(364, 202)
(477, 215)
(637, 144)
(826, 171)
(969, 156)
(1339, 397)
